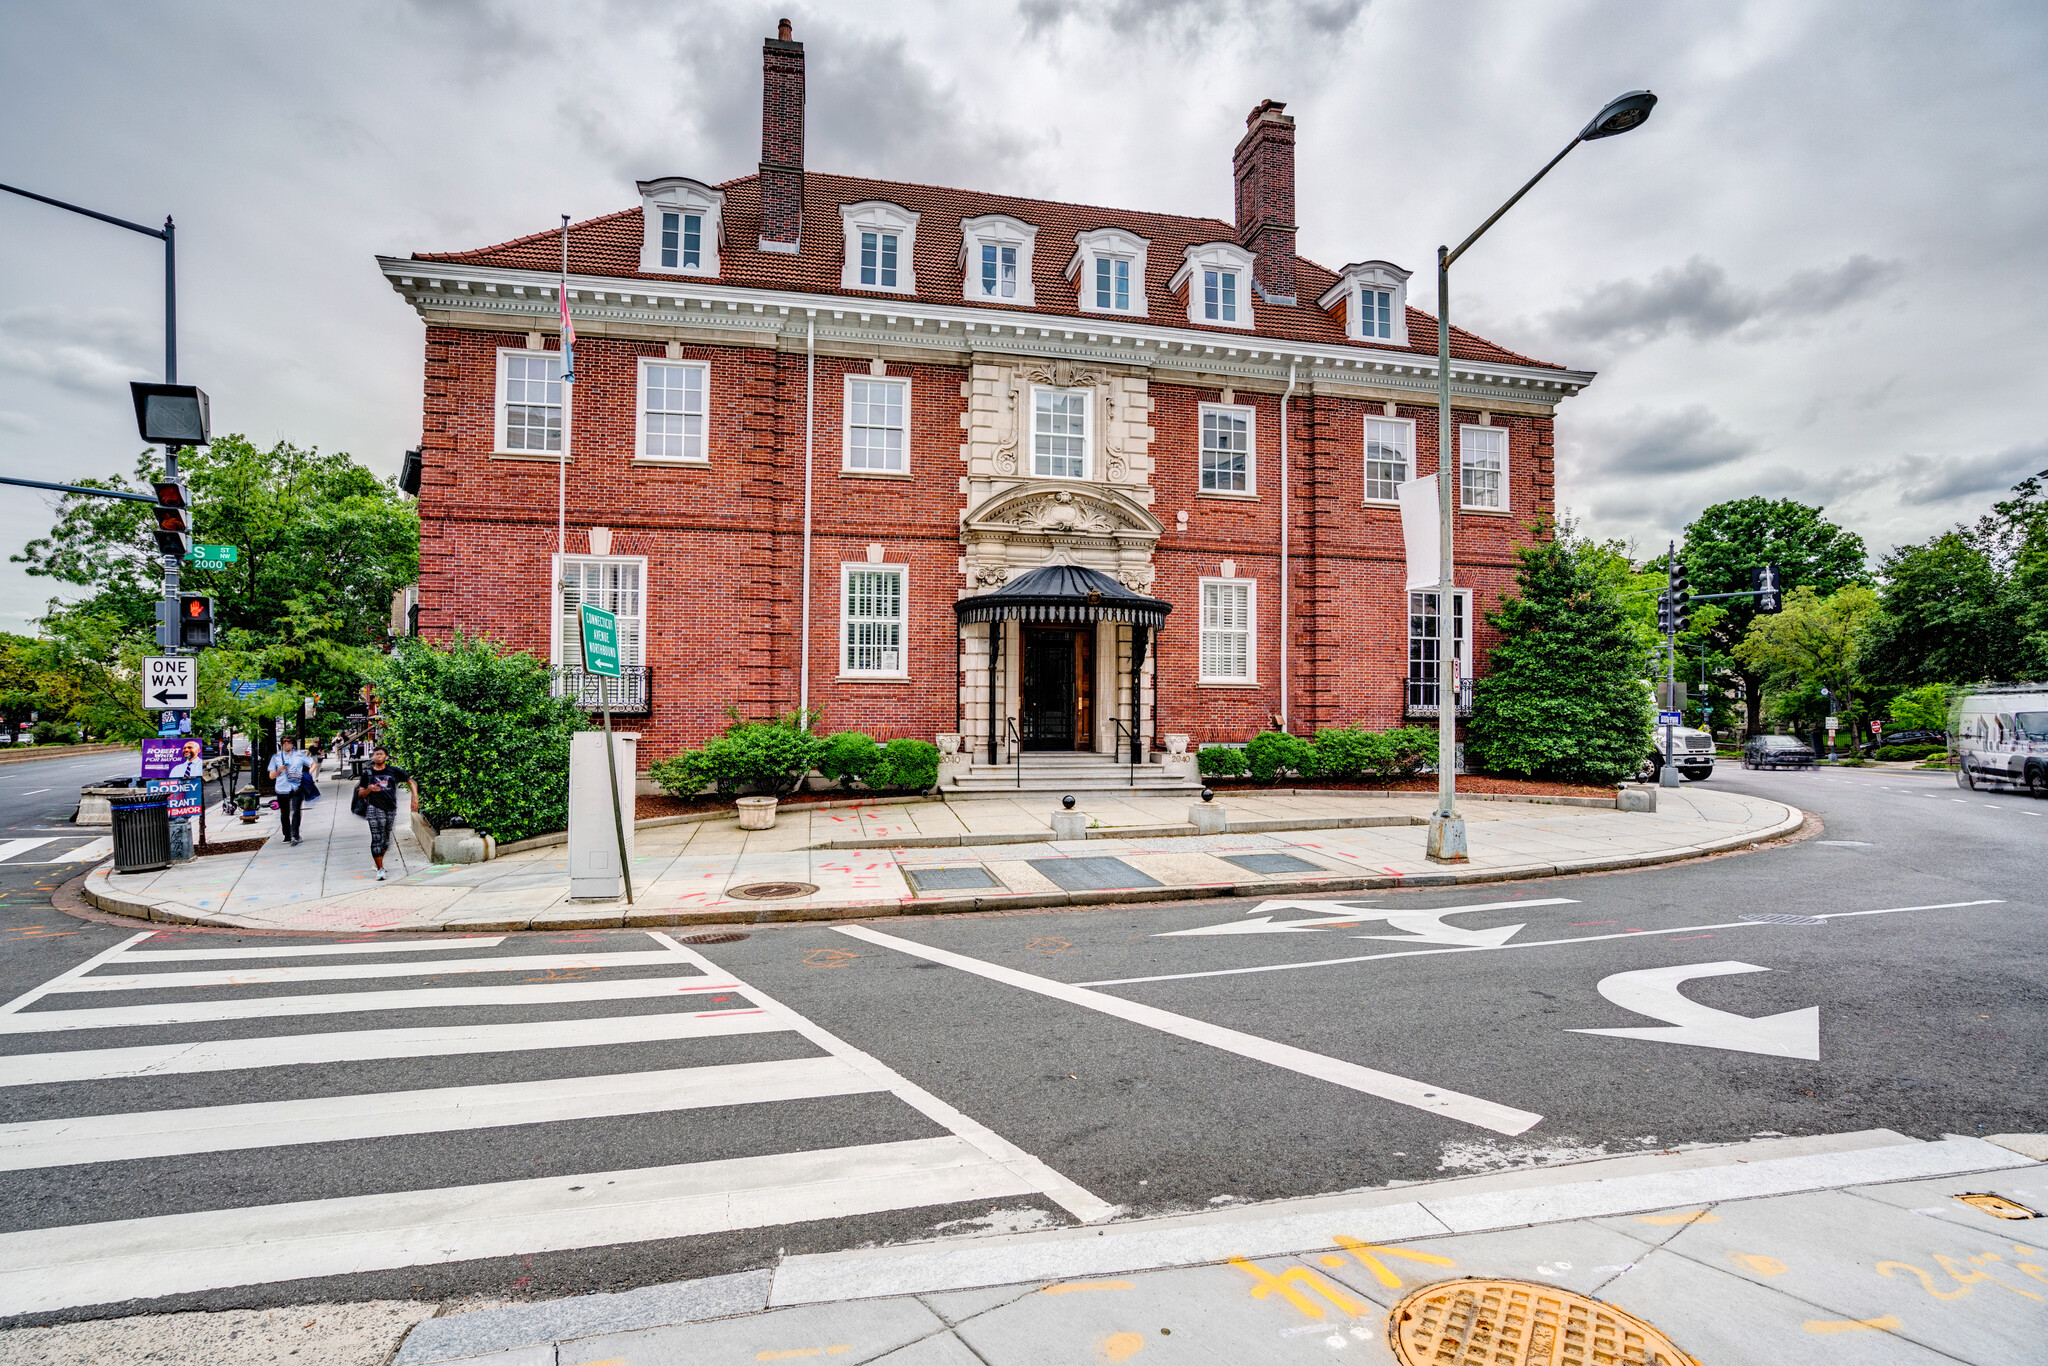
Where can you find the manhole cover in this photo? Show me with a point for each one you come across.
(772, 891)
(1783, 918)
(727, 938)
(1476, 1322)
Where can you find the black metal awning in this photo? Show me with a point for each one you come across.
(1064, 593)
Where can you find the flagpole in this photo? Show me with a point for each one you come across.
(568, 389)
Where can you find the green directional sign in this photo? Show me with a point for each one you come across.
(214, 554)
(600, 642)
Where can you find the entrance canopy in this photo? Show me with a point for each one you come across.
(1064, 593)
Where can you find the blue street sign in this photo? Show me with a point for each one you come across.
(249, 687)
(1670, 718)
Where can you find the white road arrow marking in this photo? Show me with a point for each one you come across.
(1421, 926)
(1427, 927)
(1654, 992)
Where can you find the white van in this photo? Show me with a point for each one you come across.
(2000, 734)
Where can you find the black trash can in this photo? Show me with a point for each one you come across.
(142, 832)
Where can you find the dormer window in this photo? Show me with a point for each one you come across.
(683, 227)
(1218, 279)
(995, 260)
(881, 239)
(1374, 298)
(1108, 271)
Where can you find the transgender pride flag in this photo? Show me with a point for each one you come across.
(568, 327)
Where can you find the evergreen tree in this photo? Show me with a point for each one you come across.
(1564, 698)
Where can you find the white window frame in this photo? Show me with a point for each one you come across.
(1196, 263)
(681, 196)
(879, 216)
(1376, 275)
(1365, 462)
(846, 620)
(1250, 677)
(1251, 449)
(997, 230)
(1113, 245)
(566, 654)
(500, 401)
(1087, 397)
(1506, 498)
(1461, 644)
(641, 444)
(846, 465)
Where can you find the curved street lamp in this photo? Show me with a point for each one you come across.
(1446, 826)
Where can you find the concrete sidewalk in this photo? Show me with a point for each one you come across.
(1839, 1248)
(935, 857)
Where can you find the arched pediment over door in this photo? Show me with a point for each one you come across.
(1042, 522)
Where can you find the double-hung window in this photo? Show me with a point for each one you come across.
(1375, 313)
(1226, 628)
(1389, 451)
(1112, 284)
(998, 271)
(1425, 645)
(530, 400)
(682, 240)
(875, 431)
(878, 259)
(1219, 295)
(672, 411)
(610, 582)
(1483, 460)
(1059, 433)
(872, 620)
(1226, 450)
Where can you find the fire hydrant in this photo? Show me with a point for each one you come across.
(247, 800)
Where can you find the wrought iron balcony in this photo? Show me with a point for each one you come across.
(631, 693)
(1420, 697)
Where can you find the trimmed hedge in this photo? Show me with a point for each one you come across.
(1271, 754)
(1896, 753)
(1221, 761)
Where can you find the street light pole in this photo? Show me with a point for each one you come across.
(1446, 826)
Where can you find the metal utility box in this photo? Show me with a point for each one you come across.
(594, 871)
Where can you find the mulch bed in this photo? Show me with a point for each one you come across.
(1473, 783)
(661, 804)
(208, 847)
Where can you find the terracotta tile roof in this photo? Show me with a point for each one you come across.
(611, 246)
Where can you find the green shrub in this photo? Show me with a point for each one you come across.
(1345, 752)
(1406, 750)
(774, 756)
(1273, 753)
(1851, 762)
(906, 766)
(1220, 761)
(684, 776)
(1897, 753)
(849, 755)
(481, 732)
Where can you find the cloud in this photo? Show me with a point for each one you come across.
(87, 351)
(1186, 20)
(11, 421)
(1642, 442)
(1920, 479)
(1699, 300)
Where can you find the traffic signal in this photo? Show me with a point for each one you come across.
(1768, 585)
(173, 518)
(1664, 613)
(1681, 601)
(195, 620)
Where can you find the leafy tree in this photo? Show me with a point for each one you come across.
(1729, 540)
(1564, 698)
(1812, 645)
(1923, 708)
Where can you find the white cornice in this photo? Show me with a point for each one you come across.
(524, 300)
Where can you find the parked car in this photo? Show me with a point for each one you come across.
(1692, 754)
(2002, 738)
(1776, 751)
(1910, 737)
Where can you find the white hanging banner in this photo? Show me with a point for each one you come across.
(1420, 531)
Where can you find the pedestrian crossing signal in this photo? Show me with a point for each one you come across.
(195, 620)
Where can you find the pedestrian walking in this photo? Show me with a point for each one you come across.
(288, 770)
(378, 791)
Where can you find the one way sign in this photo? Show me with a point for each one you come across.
(170, 683)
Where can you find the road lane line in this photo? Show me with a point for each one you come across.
(1420, 1095)
(429, 945)
(9, 848)
(340, 972)
(79, 1264)
(438, 1041)
(34, 994)
(339, 1119)
(1531, 944)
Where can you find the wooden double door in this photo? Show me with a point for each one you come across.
(1056, 693)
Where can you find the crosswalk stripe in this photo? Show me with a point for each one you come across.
(336, 1119)
(80, 1264)
(433, 944)
(9, 848)
(96, 850)
(338, 972)
(312, 1050)
(353, 1002)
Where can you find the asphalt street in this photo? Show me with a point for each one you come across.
(658, 1110)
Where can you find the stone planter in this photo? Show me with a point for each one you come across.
(756, 813)
(948, 742)
(1176, 745)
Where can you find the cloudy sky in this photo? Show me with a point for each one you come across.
(1818, 272)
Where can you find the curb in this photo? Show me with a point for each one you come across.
(96, 891)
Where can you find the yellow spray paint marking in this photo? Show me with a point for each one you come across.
(1997, 1206)
(1301, 1276)
(1120, 1346)
(1072, 1287)
(1365, 1254)
(1889, 1323)
(794, 1353)
(1757, 1262)
(1691, 1216)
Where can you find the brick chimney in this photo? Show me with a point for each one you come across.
(1264, 162)
(782, 142)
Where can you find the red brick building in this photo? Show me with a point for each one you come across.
(906, 397)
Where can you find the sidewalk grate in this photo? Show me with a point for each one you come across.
(1480, 1322)
(949, 879)
(1273, 863)
(1091, 874)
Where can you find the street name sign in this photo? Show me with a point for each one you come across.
(170, 683)
(214, 554)
(600, 642)
(1670, 718)
(249, 687)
